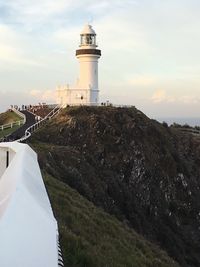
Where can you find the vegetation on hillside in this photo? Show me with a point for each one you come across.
(8, 131)
(145, 174)
(9, 117)
(90, 237)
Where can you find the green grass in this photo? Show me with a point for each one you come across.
(9, 117)
(90, 237)
(8, 131)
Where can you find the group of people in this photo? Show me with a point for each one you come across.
(29, 107)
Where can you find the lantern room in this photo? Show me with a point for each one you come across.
(88, 36)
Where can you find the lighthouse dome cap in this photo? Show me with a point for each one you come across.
(88, 30)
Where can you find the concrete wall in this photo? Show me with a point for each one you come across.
(28, 229)
(6, 156)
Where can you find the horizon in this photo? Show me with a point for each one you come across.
(150, 52)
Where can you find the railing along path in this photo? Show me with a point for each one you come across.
(41, 122)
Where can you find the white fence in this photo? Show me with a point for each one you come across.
(103, 104)
(11, 125)
(19, 114)
(35, 126)
(28, 229)
(16, 123)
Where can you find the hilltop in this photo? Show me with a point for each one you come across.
(9, 117)
(143, 173)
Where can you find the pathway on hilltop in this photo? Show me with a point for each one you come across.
(30, 120)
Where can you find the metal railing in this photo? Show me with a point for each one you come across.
(41, 122)
(92, 104)
(56, 110)
(60, 258)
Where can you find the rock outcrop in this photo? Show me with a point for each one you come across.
(145, 173)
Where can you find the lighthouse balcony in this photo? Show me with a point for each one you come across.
(88, 52)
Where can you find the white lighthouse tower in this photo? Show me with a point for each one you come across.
(88, 56)
(86, 91)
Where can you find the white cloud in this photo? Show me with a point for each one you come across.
(143, 80)
(161, 96)
(37, 10)
(52, 7)
(49, 96)
(44, 95)
(14, 47)
(141, 47)
(35, 92)
(9, 44)
(188, 99)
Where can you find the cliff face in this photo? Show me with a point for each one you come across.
(146, 174)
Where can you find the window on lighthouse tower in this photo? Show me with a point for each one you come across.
(88, 39)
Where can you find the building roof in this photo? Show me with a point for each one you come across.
(88, 30)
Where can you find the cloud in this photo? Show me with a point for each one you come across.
(9, 44)
(143, 80)
(33, 96)
(36, 10)
(35, 92)
(14, 48)
(38, 40)
(188, 99)
(43, 95)
(107, 7)
(51, 7)
(160, 96)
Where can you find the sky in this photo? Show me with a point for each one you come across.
(150, 52)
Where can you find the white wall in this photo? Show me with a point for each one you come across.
(3, 158)
(88, 71)
(28, 229)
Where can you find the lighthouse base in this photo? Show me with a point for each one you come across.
(76, 96)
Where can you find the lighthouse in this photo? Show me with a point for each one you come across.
(88, 56)
(86, 90)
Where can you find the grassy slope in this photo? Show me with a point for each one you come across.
(8, 131)
(102, 152)
(91, 237)
(6, 118)
(9, 117)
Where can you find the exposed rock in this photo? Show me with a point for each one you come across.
(146, 174)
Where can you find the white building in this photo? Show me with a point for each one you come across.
(86, 91)
(28, 229)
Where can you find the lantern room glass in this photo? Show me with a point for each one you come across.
(88, 39)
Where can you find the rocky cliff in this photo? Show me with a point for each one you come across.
(144, 173)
